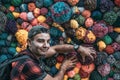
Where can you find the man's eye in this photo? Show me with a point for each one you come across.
(40, 41)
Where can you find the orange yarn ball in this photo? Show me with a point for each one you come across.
(72, 2)
(89, 22)
(86, 13)
(31, 6)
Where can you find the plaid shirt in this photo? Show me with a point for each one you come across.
(27, 69)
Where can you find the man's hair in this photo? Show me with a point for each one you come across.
(36, 30)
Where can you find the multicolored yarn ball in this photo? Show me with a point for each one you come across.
(61, 12)
(90, 37)
(96, 15)
(24, 8)
(100, 29)
(117, 55)
(80, 19)
(107, 39)
(110, 17)
(3, 20)
(111, 60)
(90, 4)
(21, 36)
(101, 58)
(16, 2)
(11, 27)
(47, 3)
(115, 46)
(106, 5)
(117, 39)
(104, 69)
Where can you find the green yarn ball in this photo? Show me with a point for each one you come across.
(80, 19)
(110, 17)
(95, 76)
(16, 2)
(10, 16)
(77, 77)
(107, 39)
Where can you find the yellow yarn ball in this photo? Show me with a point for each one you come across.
(101, 45)
(16, 14)
(58, 65)
(74, 24)
(41, 19)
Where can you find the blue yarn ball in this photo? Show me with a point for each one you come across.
(61, 12)
(24, 8)
(12, 50)
(117, 55)
(39, 3)
(2, 43)
(47, 3)
(4, 50)
(3, 57)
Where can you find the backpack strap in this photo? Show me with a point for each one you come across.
(16, 58)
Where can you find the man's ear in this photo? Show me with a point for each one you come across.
(28, 42)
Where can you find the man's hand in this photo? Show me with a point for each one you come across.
(86, 51)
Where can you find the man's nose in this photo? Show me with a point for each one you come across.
(46, 44)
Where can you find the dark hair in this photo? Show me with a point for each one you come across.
(36, 30)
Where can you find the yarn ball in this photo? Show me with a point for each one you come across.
(61, 12)
(9, 16)
(117, 64)
(34, 22)
(60, 58)
(4, 50)
(21, 36)
(74, 24)
(31, 6)
(55, 33)
(12, 51)
(115, 46)
(95, 76)
(41, 19)
(111, 60)
(113, 35)
(77, 77)
(116, 76)
(118, 39)
(19, 21)
(3, 57)
(26, 26)
(75, 10)
(107, 39)
(90, 37)
(16, 2)
(16, 14)
(23, 15)
(96, 15)
(43, 11)
(47, 3)
(117, 2)
(88, 68)
(110, 17)
(90, 4)
(11, 27)
(101, 58)
(106, 5)
(104, 69)
(71, 73)
(24, 8)
(2, 43)
(36, 12)
(80, 19)
(109, 49)
(83, 74)
(72, 2)
(101, 45)
(100, 30)
(80, 33)
(39, 3)
(117, 55)
(3, 9)
(4, 36)
(89, 22)
(30, 16)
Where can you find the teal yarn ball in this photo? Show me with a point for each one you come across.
(80, 19)
(96, 15)
(95, 76)
(12, 51)
(53, 70)
(117, 55)
(10, 16)
(47, 3)
(24, 8)
(110, 17)
(2, 43)
(61, 12)
(3, 57)
(107, 39)
(3, 36)
(16, 2)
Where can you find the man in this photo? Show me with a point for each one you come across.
(39, 47)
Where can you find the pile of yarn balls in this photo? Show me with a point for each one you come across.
(94, 23)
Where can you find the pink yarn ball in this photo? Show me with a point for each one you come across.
(26, 26)
(43, 11)
(23, 15)
(34, 22)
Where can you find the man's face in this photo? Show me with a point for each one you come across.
(40, 44)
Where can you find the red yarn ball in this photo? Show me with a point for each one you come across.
(109, 49)
(117, 2)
